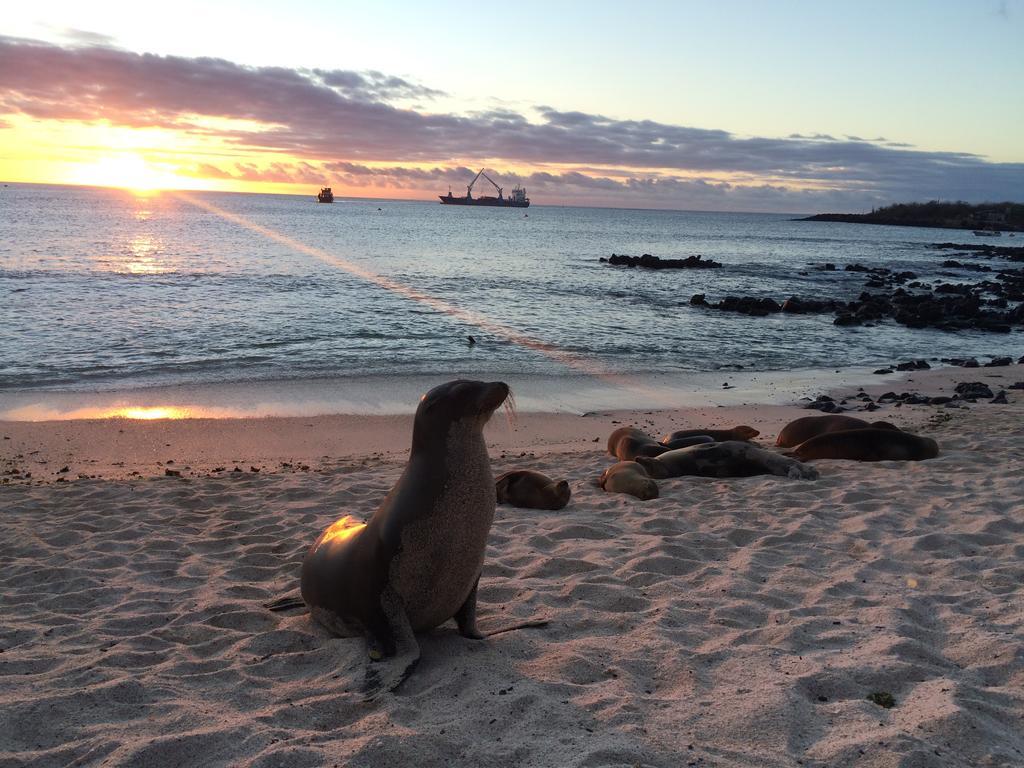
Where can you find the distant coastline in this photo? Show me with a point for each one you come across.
(996, 217)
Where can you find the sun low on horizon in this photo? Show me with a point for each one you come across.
(128, 171)
(149, 109)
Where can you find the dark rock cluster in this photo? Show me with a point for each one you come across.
(653, 262)
(970, 362)
(747, 305)
(949, 310)
(966, 392)
(800, 306)
(973, 389)
(760, 307)
(913, 365)
(948, 306)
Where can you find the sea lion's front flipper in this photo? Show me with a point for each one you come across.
(392, 648)
(465, 617)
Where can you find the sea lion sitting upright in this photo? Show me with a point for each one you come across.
(732, 458)
(416, 562)
(867, 445)
(626, 443)
(629, 477)
(531, 490)
(799, 430)
(742, 433)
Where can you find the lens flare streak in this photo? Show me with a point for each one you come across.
(574, 362)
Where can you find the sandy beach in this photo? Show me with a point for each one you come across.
(739, 622)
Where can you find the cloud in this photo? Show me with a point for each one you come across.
(86, 37)
(373, 85)
(330, 118)
(277, 172)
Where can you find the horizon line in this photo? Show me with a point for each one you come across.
(384, 199)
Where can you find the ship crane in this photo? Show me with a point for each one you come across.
(469, 189)
(492, 182)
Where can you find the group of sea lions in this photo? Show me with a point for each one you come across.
(847, 437)
(729, 453)
(416, 562)
(700, 452)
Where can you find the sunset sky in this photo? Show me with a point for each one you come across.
(788, 106)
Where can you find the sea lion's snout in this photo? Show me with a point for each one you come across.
(492, 395)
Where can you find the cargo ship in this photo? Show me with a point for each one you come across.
(517, 199)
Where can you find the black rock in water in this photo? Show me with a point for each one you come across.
(648, 261)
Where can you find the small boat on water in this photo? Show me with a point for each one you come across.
(517, 199)
(987, 233)
(325, 196)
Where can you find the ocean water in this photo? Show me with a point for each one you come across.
(109, 291)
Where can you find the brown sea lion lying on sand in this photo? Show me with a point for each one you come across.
(867, 445)
(626, 443)
(629, 477)
(732, 458)
(805, 428)
(742, 433)
(531, 490)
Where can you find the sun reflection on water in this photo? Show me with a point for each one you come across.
(42, 412)
(143, 251)
(155, 412)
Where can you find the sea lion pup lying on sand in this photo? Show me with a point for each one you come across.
(626, 443)
(732, 458)
(742, 433)
(416, 562)
(531, 490)
(867, 445)
(629, 477)
(805, 428)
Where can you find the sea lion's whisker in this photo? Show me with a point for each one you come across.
(511, 418)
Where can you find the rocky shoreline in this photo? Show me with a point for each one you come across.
(994, 304)
(964, 393)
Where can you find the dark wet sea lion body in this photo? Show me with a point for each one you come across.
(626, 443)
(733, 458)
(532, 490)
(629, 477)
(742, 433)
(416, 562)
(867, 445)
(803, 429)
